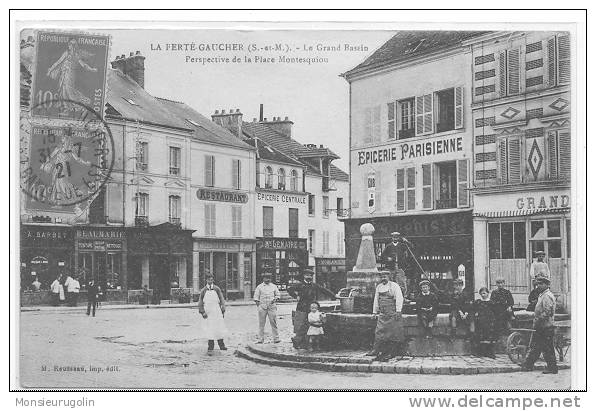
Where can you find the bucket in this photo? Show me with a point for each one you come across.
(346, 304)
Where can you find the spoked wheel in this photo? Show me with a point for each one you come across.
(562, 347)
(517, 347)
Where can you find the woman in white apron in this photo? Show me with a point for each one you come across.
(212, 307)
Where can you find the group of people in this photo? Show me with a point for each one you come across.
(66, 288)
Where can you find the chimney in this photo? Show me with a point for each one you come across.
(231, 121)
(261, 112)
(133, 66)
(282, 126)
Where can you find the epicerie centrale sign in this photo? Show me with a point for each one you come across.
(281, 198)
(404, 151)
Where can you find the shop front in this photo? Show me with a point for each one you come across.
(231, 262)
(160, 257)
(330, 273)
(100, 253)
(442, 244)
(284, 258)
(46, 252)
(511, 227)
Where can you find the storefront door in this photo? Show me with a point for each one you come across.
(219, 270)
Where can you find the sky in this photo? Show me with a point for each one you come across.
(313, 96)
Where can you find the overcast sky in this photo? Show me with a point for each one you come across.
(313, 96)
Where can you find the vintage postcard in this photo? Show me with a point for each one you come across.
(371, 207)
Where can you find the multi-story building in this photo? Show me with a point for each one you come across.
(178, 203)
(522, 158)
(299, 200)
(411, 139)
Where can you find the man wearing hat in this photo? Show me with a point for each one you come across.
(544, 329)
(393, 257)
(539, 267)
(266, 296)
(306, 293)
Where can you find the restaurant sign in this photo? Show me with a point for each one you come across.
(221, 195)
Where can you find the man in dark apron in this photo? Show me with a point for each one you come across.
(389, 334)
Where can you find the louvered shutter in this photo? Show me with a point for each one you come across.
(503, 161)
(563, 59)
(235, 174)
(462, 184)
(553, 158)
(391, 120)
(411, 187)
(419, 115)
(513, 71)
(428, 113)
(459, 107)
(502, 68)
(551, 62)
(514, 159)
(564, 154)
(400, 204)
(209, 171)
(427, 197)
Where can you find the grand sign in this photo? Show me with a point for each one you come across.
(220, 195)
(542, 202)
(403, 151)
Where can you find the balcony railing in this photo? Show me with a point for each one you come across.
(267, 232)
(407, 133)
(141, 221)
(174, 171)
(446, 203)
(176, 221)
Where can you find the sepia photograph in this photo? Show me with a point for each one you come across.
(249, 208)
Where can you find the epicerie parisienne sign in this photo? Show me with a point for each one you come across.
(404, 151)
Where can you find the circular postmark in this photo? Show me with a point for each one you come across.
(64, 162)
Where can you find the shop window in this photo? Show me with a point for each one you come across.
(232, 272)
(267, 221)
(293, 222)
(175, 160)
(113, 271)
(311, 204)
(85, 271)
(546, 236)
(507, 240)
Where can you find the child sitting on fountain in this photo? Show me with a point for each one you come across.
(315, 330)
(427, 305)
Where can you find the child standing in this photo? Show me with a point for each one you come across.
(315, 329)
(503, 306)
(483, 311)
(427, 305)
(459, 306)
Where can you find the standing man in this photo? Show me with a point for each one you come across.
(503, 301)
(387, 306)
(68, 285)
(92, 294)
(544, 329)
(266, 296)
(306, 292)
(393, 257)
(212, 307)
(57, 291)
(539, 267)
(73, 287)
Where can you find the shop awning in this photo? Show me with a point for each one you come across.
(523, 212)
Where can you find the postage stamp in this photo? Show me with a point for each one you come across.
(69, 68)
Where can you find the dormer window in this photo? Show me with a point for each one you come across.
(268, 177)
(294, 182)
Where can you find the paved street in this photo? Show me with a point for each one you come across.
(163, 348)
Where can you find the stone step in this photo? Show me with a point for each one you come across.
(299, 357)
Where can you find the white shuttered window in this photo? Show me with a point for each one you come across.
(424, 114)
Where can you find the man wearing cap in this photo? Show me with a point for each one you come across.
(266, 296)
(539, 267)
(544, 329)
(503, 304)
(306, 293)
(393, 257)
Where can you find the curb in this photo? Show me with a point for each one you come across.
(355, 364)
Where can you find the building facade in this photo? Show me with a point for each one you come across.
(411, 150)
(522, 158)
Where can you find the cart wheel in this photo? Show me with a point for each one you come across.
(516, 347)
(562, 347)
